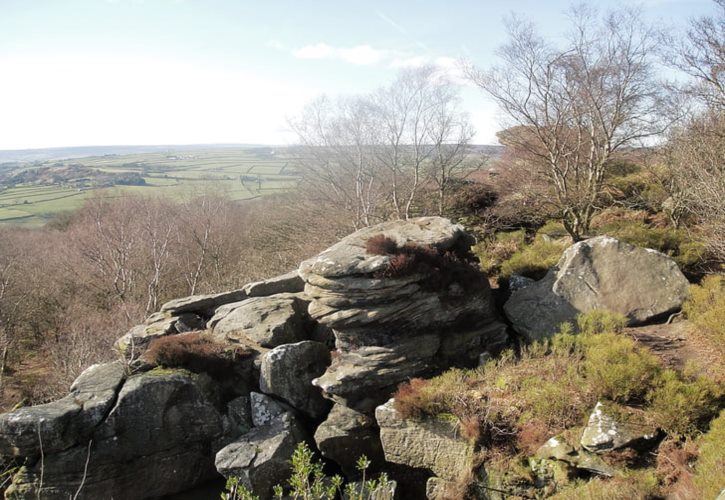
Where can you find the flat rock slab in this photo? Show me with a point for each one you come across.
(66, 422)
(202, 303)
(612, 426)
(286, 283)
(429, 444)
(599, 273)
(557, 448)
(268, 321)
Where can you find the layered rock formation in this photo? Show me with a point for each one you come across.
(389, 327)
(133, 430)
(599, 273)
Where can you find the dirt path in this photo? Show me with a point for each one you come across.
(676, 346)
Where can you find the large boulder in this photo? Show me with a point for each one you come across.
(345, 436)
(397, 312)
(287, 372)
(268, 321)
(64, 423)
(260, 458)
(158, 436)
(429, 444)
(599, 273)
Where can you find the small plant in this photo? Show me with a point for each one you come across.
(308, 481)
(535, 260)
(618, 369)
(237, 491)
(495, 250)
(710, 467)
(682, 406)
(705, 308)
(441, 268)
(381, 245)
(600, 321)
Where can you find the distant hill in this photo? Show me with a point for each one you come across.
(44, 154)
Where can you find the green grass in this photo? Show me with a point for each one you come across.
(171, 174)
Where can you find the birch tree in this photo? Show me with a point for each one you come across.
(579, 104)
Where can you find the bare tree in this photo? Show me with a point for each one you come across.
(336, 160)
(450, 137)
(369, 155)
(579, 104)
(694, 155)
(424, 134)
(701, 55)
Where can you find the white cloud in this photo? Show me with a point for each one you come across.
(359, 54)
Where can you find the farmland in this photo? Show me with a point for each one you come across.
(32, 193)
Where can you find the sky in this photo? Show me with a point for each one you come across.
(137, 72)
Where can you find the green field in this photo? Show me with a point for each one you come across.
(239, 173)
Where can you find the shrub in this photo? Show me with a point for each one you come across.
(381, 245)
(635, 484)
(493, 252)
(534, 260)
(617, 369)
(504, 396)
(710, 467)
(195, 351)
(600, 321)
(441, 268)
(553, 229)
(680, 406)
(616, 217)
(705, 308)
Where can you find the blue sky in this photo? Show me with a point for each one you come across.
(103, 72)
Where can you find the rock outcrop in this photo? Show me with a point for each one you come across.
(599, 273)
(268, 321)
(390, 325)
(134, 430)
(138, 437)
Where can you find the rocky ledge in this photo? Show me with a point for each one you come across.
(302, 357)
(229, 384)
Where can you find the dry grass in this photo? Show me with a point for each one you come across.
(674, 468)
(441, 268)
(195, 351)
